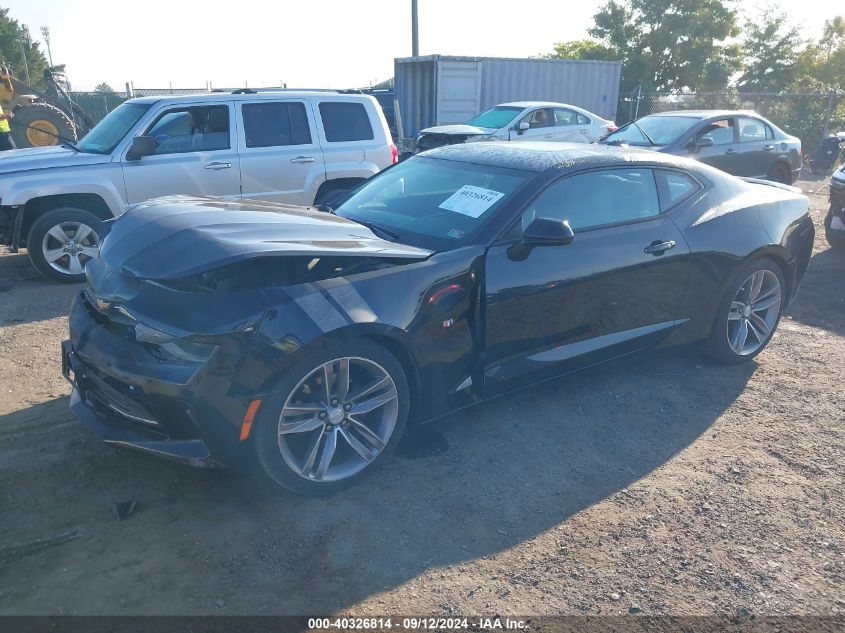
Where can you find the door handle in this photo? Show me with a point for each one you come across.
(217, 166)
(768, 148)
(547, 136)
(303, 159)
(657, 247)
(730, 151)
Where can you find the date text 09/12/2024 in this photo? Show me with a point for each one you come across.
(410, 624)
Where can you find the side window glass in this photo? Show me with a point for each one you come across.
(345, 121)
(721, 131)
(584, 120)
(751, 130)
(676, 186)
(770, 134)
(538, 119)
(565, 117)
(598, 197)
(197, 129)
(275, 124)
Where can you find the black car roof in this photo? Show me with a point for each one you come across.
(540, 156)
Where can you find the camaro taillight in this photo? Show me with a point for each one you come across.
(394, 154)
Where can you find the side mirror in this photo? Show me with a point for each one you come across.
(704, 141)
(548, 232)
(141, 146)
(522, 126)
(541, 232)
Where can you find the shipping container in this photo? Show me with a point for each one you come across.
(441, 90)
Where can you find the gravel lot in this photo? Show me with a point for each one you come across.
(662, 484)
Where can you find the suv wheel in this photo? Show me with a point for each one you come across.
(334, 417)
(62, 241)
(330, 193)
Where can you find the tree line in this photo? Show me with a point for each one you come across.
(703, 45)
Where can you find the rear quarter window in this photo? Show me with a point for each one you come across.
(345, 121)
(675, 186)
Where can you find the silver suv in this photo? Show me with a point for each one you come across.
(281, 146)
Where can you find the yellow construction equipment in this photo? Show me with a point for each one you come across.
(40, 118)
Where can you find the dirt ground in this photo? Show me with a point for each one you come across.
(663, 484)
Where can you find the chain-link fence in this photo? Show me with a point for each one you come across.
(808, 115)
(98, 104)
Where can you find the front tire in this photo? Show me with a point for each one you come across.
(62, 241)
(748, 314)
(333, 418)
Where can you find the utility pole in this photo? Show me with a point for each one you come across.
(415, 30)
(45, 33)
(24, 40)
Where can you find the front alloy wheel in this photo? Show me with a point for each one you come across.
(334, 417)
(338, 419)
(62, 241)
(68, 246)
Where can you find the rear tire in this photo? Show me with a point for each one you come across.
(780, 172)
(316, 443)
(62, 241)
(748, 314)
(330, 193)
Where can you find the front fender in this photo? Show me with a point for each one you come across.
(23, 190)
(426, 311)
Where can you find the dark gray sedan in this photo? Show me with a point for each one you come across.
(739, 142)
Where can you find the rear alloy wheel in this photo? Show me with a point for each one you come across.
(340, 417)
(780, 172)
(62, 241)
(749, 313)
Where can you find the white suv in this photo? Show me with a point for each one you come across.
(281, 146)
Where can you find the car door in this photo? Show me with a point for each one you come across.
(756, 147)
(195, 155)
(540, 126)
(615, 288)
(281, 159)
(724, 151)
(568, 127)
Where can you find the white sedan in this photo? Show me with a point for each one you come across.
(521, 121)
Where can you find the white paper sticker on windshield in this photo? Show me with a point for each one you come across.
(471, 201)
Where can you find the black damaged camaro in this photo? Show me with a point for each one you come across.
(215, 332)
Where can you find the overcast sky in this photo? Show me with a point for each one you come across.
(313, 43)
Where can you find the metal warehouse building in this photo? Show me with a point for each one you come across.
(439, 90)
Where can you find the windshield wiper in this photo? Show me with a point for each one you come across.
(643, 132)
(375, 228)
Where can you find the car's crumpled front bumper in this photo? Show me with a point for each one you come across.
(130, 398)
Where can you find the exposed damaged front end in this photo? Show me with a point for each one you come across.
(159, 338)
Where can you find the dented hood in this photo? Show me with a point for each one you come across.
(180, 236)
(464, 130)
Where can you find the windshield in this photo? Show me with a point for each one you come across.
(433, 203)
(110, 131)
(660, 129)
(496, 117)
